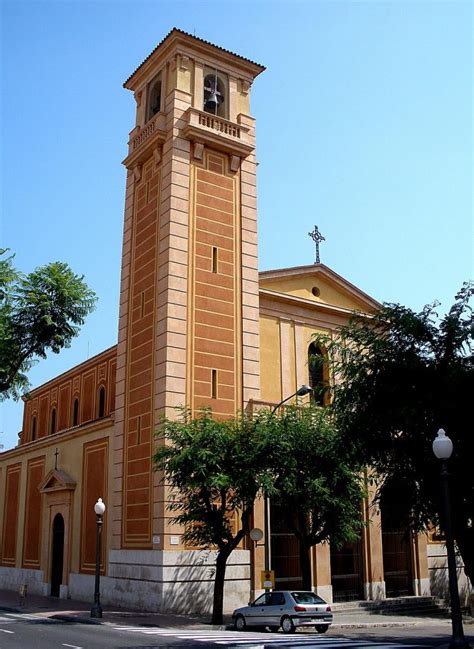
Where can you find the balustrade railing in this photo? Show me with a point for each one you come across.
(197, 119)
(144, 134)
(218, 124)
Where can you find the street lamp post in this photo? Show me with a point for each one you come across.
(99, 508)
(301, 392)
(443, 448)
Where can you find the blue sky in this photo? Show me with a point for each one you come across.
(364, 127)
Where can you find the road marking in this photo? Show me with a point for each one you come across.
(250, 646)
(259, 640)
(318, 643)
(73, 646)
(250, 640)
(298, 642)
(5, 631)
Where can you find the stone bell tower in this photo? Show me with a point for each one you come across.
(188, 328)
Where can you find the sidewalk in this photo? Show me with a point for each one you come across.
(71, 610)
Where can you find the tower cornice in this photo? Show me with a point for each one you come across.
(180, 42)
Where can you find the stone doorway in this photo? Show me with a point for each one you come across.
(396, 542)
(346, 572)
(57, 559)
(285, 559)
(58, 489)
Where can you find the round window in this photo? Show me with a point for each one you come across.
(315, 291)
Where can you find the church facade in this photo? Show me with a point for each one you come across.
(198, 326)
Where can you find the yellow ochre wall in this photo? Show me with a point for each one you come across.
(290, 315)
(283, 368)
(70, 460)
(330, 293)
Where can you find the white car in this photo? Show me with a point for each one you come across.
(286, 609)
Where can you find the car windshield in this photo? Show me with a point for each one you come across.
(307, 598)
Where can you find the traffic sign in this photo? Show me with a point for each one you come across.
(268, 578)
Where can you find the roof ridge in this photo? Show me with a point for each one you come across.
(201, 40)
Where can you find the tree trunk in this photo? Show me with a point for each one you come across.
(305, 565)
(218, 601)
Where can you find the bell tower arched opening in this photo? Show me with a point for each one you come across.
(215, 94)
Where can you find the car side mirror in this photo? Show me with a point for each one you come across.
(250, 603)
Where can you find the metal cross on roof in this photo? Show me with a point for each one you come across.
(317, 237)
(56, 459)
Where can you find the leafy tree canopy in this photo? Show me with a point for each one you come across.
(397, 378)
(39, 312)
(216, 469)
(316, 485)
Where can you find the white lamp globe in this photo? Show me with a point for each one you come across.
(99, 507)
(442, 446)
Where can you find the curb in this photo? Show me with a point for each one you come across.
(73, 618)
(372, 625)
(15, 609)
(51, 615)
(83, 618)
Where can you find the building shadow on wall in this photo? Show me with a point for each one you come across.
(439, 585)
(192, 592)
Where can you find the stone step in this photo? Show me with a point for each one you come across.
(394, 605)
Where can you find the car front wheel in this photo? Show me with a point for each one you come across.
(322, 628)
(240, 624)
(287, 625)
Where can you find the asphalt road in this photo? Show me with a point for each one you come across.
(23, 631)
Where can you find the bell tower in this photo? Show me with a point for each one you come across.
(188, 327)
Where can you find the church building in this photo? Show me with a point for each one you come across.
(198, 326)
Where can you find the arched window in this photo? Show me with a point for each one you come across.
(75, 412)
(52, 426)
(316, 367)
(101, 409)
(154, 98)
(214, 100)
(33, 429)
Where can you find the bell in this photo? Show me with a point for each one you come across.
(212, 102)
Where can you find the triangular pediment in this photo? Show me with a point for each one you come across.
(57, 480)
(319, 284)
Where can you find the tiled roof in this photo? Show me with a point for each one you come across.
(175, 30)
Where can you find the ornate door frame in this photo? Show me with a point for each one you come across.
(58, 494)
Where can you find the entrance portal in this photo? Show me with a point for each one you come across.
(346, 572)
(396, 542)
(285, 558)
(57, 555)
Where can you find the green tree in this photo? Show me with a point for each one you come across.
(216, 469)
(398, 377)
(39, 312)
(316, 485)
